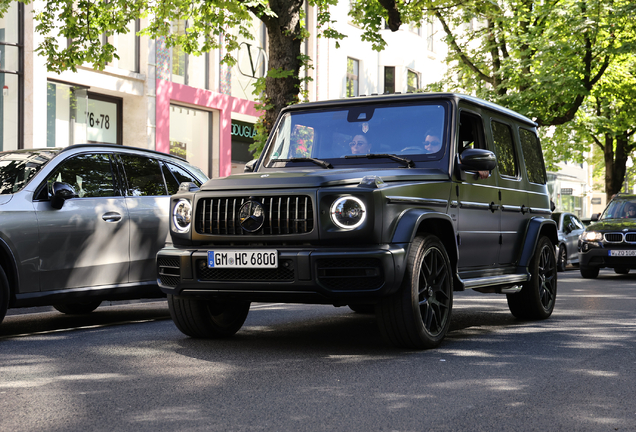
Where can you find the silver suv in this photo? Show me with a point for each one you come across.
(83, 224)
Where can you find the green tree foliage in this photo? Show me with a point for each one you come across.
(86, 21)
(607, 121)
(546, 59)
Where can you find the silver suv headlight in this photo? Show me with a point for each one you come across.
(348, 212)
(182, 216)
(592, 236)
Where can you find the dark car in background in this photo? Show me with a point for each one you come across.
(570, 228)
(83, 224)
(610, 241)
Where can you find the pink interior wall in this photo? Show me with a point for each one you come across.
(168, 92)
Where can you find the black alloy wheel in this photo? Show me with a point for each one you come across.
(537, 298)
(563, 259)
(418, 315)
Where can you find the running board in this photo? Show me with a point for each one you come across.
(511, 280)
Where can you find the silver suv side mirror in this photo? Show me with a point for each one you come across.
(61, 192)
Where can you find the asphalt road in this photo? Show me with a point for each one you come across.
(313, 368)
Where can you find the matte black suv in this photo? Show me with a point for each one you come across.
(610, 241)
(386, 202)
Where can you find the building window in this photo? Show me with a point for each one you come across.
(415, 28)
(127, 46)
(188, 69)
(66, 108)
(430, 31)
(389, 79)
(352, 77)
(412, 81)
(190, 132)
(11, 77)
(104, 115)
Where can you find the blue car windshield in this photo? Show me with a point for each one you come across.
(343, 135)
(17, 168)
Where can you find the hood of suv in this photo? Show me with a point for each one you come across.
(319, 178)
(613, 225)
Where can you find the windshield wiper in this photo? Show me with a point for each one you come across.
(407, 162)
(322, 163)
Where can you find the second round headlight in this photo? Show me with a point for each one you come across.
(182, 216)
(348, 212)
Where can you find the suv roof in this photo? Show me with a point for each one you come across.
(397, 97)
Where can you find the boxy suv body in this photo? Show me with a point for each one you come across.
(447, 193)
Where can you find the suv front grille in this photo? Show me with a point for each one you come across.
(613, 237)
(283, 215)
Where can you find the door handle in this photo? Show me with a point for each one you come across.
(494, 207)
(111, 217)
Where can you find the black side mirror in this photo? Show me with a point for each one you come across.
(477, 160)
(595, 217)
(61, 192)
(249, 167)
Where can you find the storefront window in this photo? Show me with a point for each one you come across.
(66, 108)
(10, 104)
(190, 136)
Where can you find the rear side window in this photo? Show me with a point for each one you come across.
(504, 149)
(175, 175)
(91, 176)
(144, 176)
(533, 156)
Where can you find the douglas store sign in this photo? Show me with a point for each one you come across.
(243, 131)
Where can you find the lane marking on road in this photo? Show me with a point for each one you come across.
(96, 326)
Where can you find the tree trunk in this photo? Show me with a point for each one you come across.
(615, 163)
(284, 43)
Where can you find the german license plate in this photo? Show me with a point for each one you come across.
(620, 253)
(243, 258)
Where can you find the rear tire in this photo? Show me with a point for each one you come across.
(589, 272)
(207, 319)
(4, 294)
(418, 315)
(80, 308)
(562, 261)
(621, 270)
(537, 297)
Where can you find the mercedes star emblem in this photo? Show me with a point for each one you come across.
(251, 216)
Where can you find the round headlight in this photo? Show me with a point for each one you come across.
(348, 212)
(182, 216)
(592, 236)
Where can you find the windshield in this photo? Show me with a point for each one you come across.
(18, 168)
(620, 209)
(330, 135)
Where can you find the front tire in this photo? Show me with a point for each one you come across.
(207, 319)
(589, 272)
(4, 294)
(562, 261)
(418, 315)
(80, 308)
(537, 297)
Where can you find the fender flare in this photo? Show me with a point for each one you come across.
(537, 226)
(410, 221)
(9, 265)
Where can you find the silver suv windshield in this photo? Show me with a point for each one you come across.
(620, 209)
(344, 135)
(17, 168)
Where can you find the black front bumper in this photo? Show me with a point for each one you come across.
(600, 257)
(304, 275)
